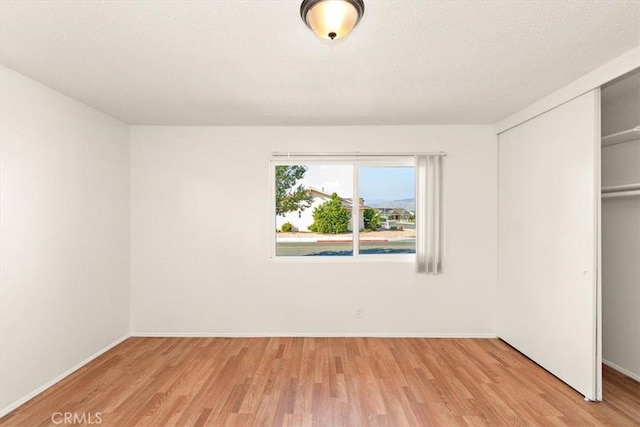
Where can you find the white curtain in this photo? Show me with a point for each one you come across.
(429, 213)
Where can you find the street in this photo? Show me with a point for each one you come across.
(405, 246)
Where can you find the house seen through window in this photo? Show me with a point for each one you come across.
(345, 209)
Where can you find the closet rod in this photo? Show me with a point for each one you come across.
(618, 188)
(632, 193)
(620, 137)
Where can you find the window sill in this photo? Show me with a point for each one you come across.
(408, 258)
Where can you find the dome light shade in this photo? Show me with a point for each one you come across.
(331, 19)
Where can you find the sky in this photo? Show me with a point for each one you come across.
(376, 183)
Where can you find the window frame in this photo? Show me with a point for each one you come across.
(357, 163)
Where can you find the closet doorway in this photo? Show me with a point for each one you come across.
(569, 235)
(620, 224)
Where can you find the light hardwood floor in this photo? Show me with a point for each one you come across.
(323, 382)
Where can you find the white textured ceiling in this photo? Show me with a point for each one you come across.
(255, 62)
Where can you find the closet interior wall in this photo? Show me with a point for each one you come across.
(621, 226)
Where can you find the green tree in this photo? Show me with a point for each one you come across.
(331, 217)
(290, 197)
(412, 218)
(371, 219)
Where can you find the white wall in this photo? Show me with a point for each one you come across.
(64, 246)
(621, 231)
(200, 225)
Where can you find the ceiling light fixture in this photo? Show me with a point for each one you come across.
(331, 19)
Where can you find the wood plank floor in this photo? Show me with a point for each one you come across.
(322, 382)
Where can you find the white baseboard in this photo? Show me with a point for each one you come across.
(621, 370)
(23, 400)
(305, 335)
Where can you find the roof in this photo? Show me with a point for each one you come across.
(347, 201)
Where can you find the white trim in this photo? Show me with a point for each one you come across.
(621, 370)
(60, 377)
(404, 160)
(355, 212)
(310, 335)
(597, 256)
(421, 213)
(272, 210)
(604, 74)
(355, 154)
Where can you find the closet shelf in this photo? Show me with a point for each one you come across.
(620, 137)
(627, 190)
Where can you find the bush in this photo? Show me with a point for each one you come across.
(371, 219)
(287, 227)
(331, 217)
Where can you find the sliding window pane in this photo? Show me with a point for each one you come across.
(313, 210)
(387, 210)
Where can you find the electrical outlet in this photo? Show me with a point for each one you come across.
(358, 312)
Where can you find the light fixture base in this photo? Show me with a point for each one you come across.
(331, 19)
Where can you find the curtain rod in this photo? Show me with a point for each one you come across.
(356, 154)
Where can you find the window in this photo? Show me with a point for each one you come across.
(388, 210)
(314, 207)
(365, 208)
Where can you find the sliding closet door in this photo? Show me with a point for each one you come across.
(548, 211)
